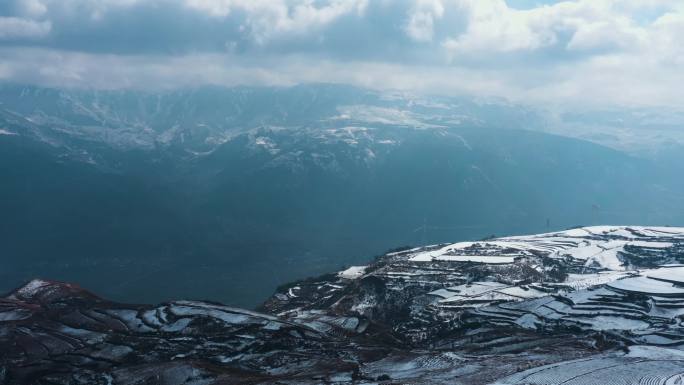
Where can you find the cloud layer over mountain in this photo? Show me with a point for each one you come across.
(584, 51)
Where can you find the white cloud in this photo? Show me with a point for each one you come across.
(601, 81)
(580, 51)
(218, 8)
(266, 19)
(16, 27)
(32, 8)
(665, 39)
(72, 69)
(605, 35)
(422, 17)
(494, 27)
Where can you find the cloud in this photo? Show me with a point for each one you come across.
(266, 19)
(422, 18)
(18, 28)
(32, 8)
(494, 27)
(539, 51)
(71, 69)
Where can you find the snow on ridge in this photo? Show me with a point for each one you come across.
(353, 272)
(647, 285)
(583, 281)
(626, 231)
(595, 246)
(6, 132)
(622, 231)
(489, 259)
(31, 288)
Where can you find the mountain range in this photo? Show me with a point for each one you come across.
(226, 193)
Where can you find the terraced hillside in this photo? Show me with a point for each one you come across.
(582, 306)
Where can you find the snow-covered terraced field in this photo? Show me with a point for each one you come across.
(598, 305)
(647, 285)
(606, 247)
(638, 308)
(602, 278)
(483, 293)
(608, 370)
(63, 327)
(673, 274)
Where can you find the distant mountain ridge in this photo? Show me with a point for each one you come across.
(206, 117)
(201, 193)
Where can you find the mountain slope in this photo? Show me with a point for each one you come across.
(533, 309)
(148, 197)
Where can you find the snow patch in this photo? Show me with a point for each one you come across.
(490, 259)
(655, 352)
(32, 288)
(647, 285)
(353, 272)
(6, 132)
(668, 274)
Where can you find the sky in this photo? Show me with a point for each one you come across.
(580, 52)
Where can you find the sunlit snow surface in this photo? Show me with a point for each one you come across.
(614, 278)
(352, 272)
(647, 285)
(614, 286)
(608, 369)
(598, 246)
(674, 274)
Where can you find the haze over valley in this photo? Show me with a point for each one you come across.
(226, 193)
